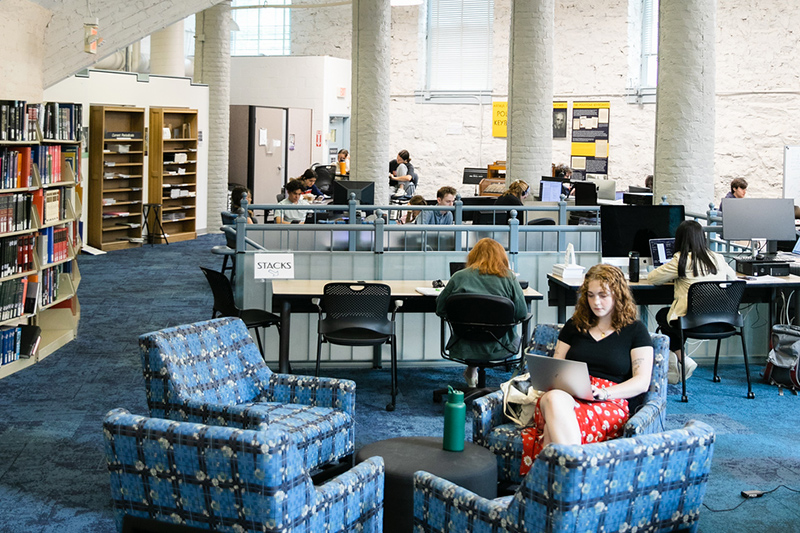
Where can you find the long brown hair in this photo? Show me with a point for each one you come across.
(489, 257)
(612, 279)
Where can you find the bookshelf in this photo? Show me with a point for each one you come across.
(116, 177)
(40, 150)
(172, 178)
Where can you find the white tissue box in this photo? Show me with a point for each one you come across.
(568, 271)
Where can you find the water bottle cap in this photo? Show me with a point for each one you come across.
(454, 396)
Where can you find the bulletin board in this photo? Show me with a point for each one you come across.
(589, 154)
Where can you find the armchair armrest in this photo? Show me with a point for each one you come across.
(316, 392)
(648, 419)
(244, 416)
(441, 506)
(359, 489)
(487, 413)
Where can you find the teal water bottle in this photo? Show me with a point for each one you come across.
(455, 417)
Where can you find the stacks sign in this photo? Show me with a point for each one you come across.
(273, 266)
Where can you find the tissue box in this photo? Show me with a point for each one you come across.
(568, 271)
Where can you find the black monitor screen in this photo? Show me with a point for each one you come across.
(627, 228)
(758, 218)
(364, 190)
(550, 189)
(473, 176)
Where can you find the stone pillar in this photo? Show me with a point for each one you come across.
(369, 124)
(529, 149)
(684, 158)
(167, 54)
(212, 66)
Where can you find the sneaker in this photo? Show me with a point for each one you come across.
(674, 370)
(471, 377)
(690, 366)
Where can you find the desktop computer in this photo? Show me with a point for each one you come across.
(762, 267)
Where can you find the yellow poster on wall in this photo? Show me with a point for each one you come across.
(590, 139)
(499, 119)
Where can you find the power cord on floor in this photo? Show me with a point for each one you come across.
(749, 495)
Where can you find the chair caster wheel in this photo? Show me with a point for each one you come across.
(685, 399)
(716, 379)
(751, 395)
(390, 407)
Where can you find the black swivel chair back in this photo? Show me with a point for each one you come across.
(713, 313)
(480, 318)
(324, 179)
(229, 250)
(225, 305)
(356, 314)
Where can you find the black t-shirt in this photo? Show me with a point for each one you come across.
(610, 357)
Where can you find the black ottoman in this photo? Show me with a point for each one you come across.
(474, 469)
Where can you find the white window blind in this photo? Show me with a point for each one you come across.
(649, 77)
(460, 45)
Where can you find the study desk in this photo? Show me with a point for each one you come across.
(295, 295)
(562, 293)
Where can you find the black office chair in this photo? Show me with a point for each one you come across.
(713, 313)
(229, 250)
(224, 305)
(480, 318)
(356, 315)
(542, 222)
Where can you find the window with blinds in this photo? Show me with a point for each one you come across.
(649, 74)
(459, 45)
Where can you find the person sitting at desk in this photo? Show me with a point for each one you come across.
(412, 215)
(404, 178)
(294, 192)
(487, 272)
(236, 202)
(692, 262)
(738, 190)
(309, 180)
(605, 334)
(514, 195)
(445, 196)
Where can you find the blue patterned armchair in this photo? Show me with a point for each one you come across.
(229, 479)
(648, 483)
(491, 429)
(211, 372)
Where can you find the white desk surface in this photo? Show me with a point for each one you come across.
(314, 287)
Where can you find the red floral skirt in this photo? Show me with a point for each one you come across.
(598, 421)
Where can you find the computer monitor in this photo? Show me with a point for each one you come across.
(606, 189)
(758, 218)
(585, 192)
(364, 190)
(473, 176)
(634, 188)
(551, 189)
(629, 228)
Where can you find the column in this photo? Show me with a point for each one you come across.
(369, 125)
(212, 66)
(167, 54)
(684, 158)
(529, 149)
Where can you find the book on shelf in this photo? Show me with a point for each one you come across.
(32, 297)
(29, 339)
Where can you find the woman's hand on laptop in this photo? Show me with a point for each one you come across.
(599, 394)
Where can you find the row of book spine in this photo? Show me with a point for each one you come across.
(54, 208)
(15, 167)
(48, 159)
(15, 212)
(20, 121)
(53, 244)
(12, 298)
(18, 341)
(16, 254)
(50, 283)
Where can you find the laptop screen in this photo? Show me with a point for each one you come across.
(661, 250)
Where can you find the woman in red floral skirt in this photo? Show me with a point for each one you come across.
(604, 333)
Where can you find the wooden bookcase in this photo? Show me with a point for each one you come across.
(116, 177)
(172, 179)
(39, 225)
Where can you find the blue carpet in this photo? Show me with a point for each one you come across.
(52, 470)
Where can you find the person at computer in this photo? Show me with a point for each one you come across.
(309, 180)
(405, 178)
(604, 332)
(563, 171)
(445, 197)
(691, 262)
(236, 202)
(738, 190)
(487, 272)
(344, 157)
(648, 181)
(294, 197)
(411, 216)
(514, 195)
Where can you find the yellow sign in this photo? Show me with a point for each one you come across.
(499, 119)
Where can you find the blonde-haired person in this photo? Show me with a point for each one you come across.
(487, 272)
(514, 195)
(604, 332)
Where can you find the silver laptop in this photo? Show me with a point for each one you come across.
(549, 373)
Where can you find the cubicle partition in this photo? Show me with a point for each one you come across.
(380, 251)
